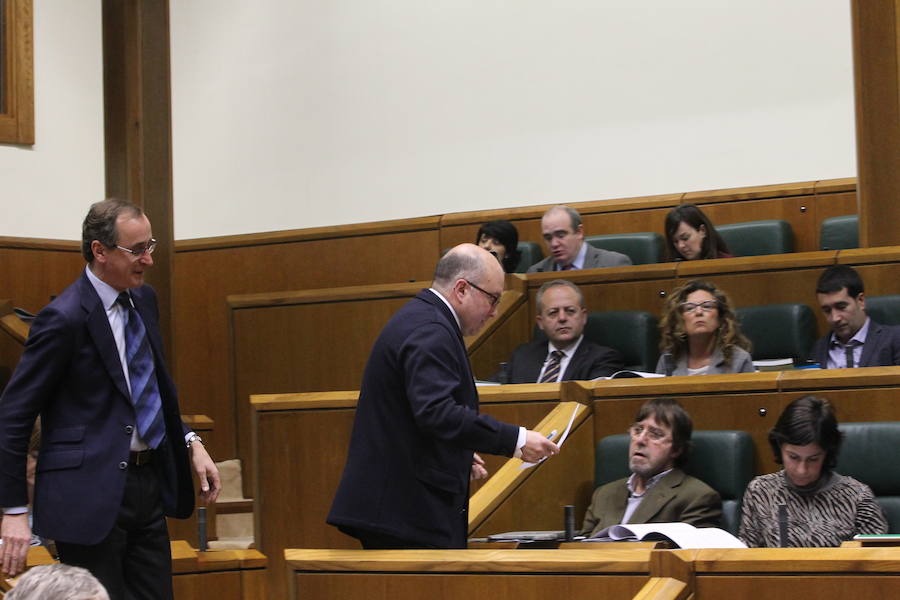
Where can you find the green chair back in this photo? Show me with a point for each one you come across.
(779, 330)
(642, 248)
(866, 455)
(755, 238)
(839, 233)
(884, 309)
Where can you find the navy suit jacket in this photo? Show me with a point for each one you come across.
(71, 375)
(882, 347)
(589, 362)
(416, 426)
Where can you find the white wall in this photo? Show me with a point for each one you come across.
(45, 189)
(300, 113)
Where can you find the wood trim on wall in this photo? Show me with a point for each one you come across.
(17, 118)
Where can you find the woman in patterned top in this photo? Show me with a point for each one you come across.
(823, 507)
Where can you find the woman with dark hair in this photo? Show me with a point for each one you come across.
(500, 238)
(700, 333)
(823, 507)
(690, 235)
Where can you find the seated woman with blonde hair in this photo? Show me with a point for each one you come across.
(700, 333)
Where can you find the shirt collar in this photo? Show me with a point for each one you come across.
(578, 263)
(650, 483)
(108, 294)
(447, 302)
(570, 351)
(859, 338)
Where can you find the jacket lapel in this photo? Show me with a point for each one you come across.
(101, 334)
(657, 497)
(871, 344)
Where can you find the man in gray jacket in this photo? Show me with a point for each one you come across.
(564, 235)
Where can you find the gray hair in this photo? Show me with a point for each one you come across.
(574, 217)
(539, 299)
(100, 224)
(57, 582)
(458, 264)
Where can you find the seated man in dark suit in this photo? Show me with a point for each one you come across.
(657, 491)
(561, 316)
(855, 339)
(564, 235)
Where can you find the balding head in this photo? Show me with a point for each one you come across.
(471, 280)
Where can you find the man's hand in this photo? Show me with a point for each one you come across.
(478, 470)
(537, 447)
(207, 473)
(16, 535)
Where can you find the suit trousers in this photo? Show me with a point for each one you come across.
(133, 562)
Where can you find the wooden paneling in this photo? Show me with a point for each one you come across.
(17, 108)
(206, 274)
(876, 60)
(804, 205)
(299, 448)
(33, 270)
(453, 574)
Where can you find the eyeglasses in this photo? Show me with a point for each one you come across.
(147, 248)
(495, 298)
(655, 434)
(707, 306)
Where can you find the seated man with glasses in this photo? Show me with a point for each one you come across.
(657, 491)
(565, 355)
(563, 234)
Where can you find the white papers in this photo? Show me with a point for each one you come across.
(682, 535)
(528, 465)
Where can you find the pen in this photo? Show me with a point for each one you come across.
(552, 434)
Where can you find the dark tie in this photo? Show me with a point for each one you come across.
(551, 373)
(848, 352)
(142, 376)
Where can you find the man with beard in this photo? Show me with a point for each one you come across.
(657, 491)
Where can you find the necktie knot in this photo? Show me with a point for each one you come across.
(125, 300)
(551, 372)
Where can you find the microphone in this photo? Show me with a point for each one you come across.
(782, 526)
(201, 527)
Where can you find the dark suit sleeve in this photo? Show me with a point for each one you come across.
(605, 362)
(44, 362)
(434, 375)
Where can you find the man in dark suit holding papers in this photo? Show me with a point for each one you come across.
(417, 427)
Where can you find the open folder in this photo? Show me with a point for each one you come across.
(681, 535)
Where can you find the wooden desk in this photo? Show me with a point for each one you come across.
(454, 574)
(221, 574)
(300, 445)
(791, 573)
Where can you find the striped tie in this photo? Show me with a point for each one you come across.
(551, 373)
(142, 376)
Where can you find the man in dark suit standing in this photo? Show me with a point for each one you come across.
(855, 339)
(565, 355)
(563, 233)
(417, 426)
(115, 458)
(657, 491)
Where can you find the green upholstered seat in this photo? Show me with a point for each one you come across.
(867, 454)
(755, 238)
(723, 459)
(779, 330)
(839, 233)
(530, 253)
(642, 248)
(884, 309)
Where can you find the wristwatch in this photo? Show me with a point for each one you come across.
(194, 438)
